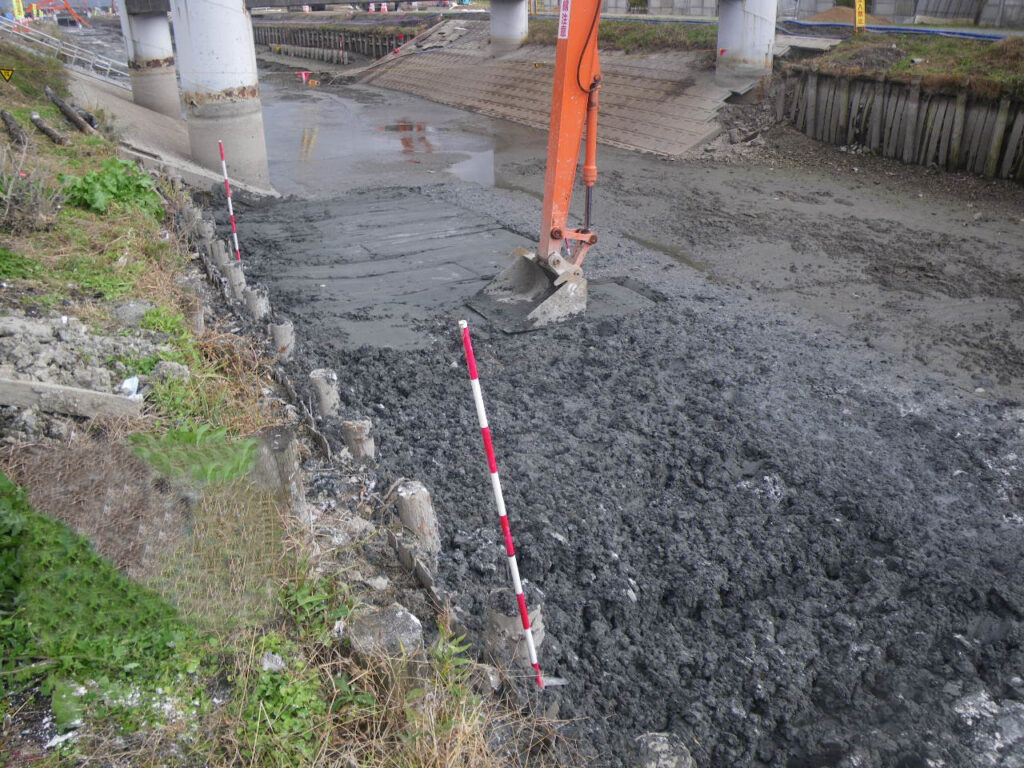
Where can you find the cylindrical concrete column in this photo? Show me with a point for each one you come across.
(282, 336)
(509, 24)
(147, 38)
(325, 384)
(746, 32)
(219, 86)
(416, 512)
(358, 439)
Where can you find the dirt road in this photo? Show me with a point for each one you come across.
(778, 512)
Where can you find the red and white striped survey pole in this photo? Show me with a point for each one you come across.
(227, 191)
(499, 500)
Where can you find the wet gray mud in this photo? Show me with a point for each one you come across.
(779, 511)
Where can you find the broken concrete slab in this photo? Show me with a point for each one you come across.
(56, 398)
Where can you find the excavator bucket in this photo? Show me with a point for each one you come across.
(525, 296)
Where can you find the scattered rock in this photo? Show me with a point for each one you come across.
(271, 662)
(389, 631)
(23, 328)
(379, 583)
(338, 630)
(663, 750)
(130, 313)
(167, 370)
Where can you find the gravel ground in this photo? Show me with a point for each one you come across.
(778, 513)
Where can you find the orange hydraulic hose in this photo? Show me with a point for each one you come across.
(590, 157)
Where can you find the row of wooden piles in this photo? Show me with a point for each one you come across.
(957, 132)
(311, 43)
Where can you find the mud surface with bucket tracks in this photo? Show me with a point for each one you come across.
(777, 509)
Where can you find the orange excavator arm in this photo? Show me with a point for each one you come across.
(60, 4)
(548, 286)
(574, 106)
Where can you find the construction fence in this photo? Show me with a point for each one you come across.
(989, 13)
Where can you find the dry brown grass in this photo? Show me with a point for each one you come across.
(943, 64)
(226, 388)
(102, 491)
(27, 202)
(226, 574)
(396, 712)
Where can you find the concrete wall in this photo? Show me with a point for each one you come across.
(1005, 13)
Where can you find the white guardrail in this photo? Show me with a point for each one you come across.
(74, 56)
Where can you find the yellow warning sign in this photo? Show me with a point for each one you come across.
(6, 74)
(859, 15)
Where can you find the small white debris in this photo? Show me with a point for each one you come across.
(338, 630)
(58, 740)
(129, 386)
(271, 662)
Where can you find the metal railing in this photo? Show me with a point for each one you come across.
(74, 56)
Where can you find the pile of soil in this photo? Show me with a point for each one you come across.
(777, 513)
(748, 532)
(742, 537)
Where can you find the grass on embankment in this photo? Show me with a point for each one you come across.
(987, 68)
(31, 75)
(635, 36)
(168, 669)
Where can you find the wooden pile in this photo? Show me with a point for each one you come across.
(900, 121)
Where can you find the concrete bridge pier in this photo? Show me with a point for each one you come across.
(147, 36)
(220, 88)
(509, 24)
(746, 32)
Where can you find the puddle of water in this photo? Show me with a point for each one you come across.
(680, 255)
(321, 143)
(477, 168)
(408, 128)
(414, 137)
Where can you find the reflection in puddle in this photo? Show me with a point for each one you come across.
(309, 135)
(413, 137)
(321, 142)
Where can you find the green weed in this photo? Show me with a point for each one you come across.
(199, 452)
(987, 68)
(164, 320)
(67, 614)
(31, 73)
(103, 276)
(191, 401)
(144, 364)
(314, 605)
(451, 663)
(117, 182)
(283, 711)
(636, 36)
(15, 267)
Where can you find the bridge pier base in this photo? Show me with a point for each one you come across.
(746, 33)
(509, 24)
(220, 87)
(147, 36)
